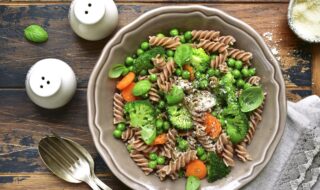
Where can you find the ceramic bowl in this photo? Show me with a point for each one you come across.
(127, 40)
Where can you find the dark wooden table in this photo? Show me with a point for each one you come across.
(22, 124)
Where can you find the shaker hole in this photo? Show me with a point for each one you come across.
(48, 82)
(86, 12)
(42, 78)
(89, 5)
(41, 86)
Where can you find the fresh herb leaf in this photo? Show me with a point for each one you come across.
(141, 87)
(193, 183)
(116, 71)
(183, 54)
(148, 133)
(251, 98)
(35, 33)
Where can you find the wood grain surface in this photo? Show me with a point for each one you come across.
(22, 124)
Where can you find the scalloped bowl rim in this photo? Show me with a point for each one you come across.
(92, 89)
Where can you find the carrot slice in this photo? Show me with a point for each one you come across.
(190, 69)
(212, 124)
(127, 93)
(196, 168)
(160, 139)
(125, 81)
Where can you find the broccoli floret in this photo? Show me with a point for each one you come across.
(180, 117)
(216, 168)
(199, 59)
(144, 60)
(141, 113)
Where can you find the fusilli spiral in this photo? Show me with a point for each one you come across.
(205, 34)
(220, 59)
(167, 148)
(227, 40)
(128, 133)
(139, 145)
(254, 80)
(141, 161)
(154, 93)
(167, 42)
(240, 55)
(118, 103)
(212, 46)
(204, 139)
(163, 80)
(159, 62)
(242, 152)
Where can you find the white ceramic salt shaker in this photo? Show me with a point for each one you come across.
(50, 83)
(93, 19)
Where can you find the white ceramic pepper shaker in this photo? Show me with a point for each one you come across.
(50, 83)
(93, 19)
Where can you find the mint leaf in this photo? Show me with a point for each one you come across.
(35, 33)
(251, 98)
(193, 183)
(116, 71)
(183, 54)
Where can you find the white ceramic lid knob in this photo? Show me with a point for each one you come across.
(50, 83)
(93, 19)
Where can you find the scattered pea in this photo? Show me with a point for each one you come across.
(217, 72)
(161, 104)
(238, 64)
(231, 62)
(236, 73)
(121, 126)
(188, 35)
(129, 61)
(130, 68)
(174, 32)
(153, 77)
(160, 35)
(125, 71)
(247, 85)
(252, 71)
(245, 72)
(182, 39)
(161, 160)
(178, 72)
(197, 75)
(159, 123)
(139, 51)
(166, 125)
(211, 72)
(203, 157)
(240, 83)
(152, 164)
(144, 45)
(183, 144)
(153, 156)
(117, 133)
(170, 53)
(200, 151)
(185, 74)
(143, 72)
(203, 84)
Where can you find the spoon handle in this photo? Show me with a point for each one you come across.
(92, 184)
(100, 183)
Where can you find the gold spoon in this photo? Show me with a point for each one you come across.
(69, 161)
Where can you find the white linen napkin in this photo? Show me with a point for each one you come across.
(295, 163)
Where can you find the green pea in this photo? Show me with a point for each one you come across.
(213, 56)
(185, 74)
(160, 35)
(117, 133)
(153, 77)
(121, 126)
(203, 157)
(236, 73)
(240, 83)
(166, 125)
(130, 68)
(159, 123)
(153, 156)
(178, 72)
(129, 61)
(144, 45)
(200, 151)
(145, 96)
(231, 62)
(203, 84)
(152, 164)
(174, 32)
(217, 72)
(140, 51)
(246, 86)
(125, 71)
(245, 72)
(161, 104)
(183, 144)
(170, 53)
(252, 71)
(188, 35)
(161, 160)
(143, 72)
(197, 75)
(211, 72)
(182, 39)
(238, 64)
